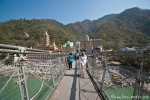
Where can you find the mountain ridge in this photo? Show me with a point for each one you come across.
(129, 28)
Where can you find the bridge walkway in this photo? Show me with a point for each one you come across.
(72, 87)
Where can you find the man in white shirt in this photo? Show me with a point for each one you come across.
(82, 64)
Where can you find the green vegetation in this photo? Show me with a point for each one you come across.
(13, 32)
(129, 28)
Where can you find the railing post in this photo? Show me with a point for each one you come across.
(61, 71)
(23, 84)
(51, 70)
(93, 66)
(138, 89)
(103, 77)
(142, 79)
(52, 75)
(20, 87)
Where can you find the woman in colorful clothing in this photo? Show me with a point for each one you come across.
(70, 59)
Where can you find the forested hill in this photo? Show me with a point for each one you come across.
(15, 32)
(129, 28)
(88, 26)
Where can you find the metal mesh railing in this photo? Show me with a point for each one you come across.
(32, 79)
(119, 82)
(9, 90)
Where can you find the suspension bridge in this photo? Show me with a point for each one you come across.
(43, 75)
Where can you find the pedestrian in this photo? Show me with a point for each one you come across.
(82, 64)
(70, 59)
(75, 56)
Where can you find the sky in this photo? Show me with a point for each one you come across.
(65, 11)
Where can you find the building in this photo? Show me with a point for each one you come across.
(69, 44)
(113, 65)
(77, 47)
(92, 44)
(88, 47)
(97, 43)
(45, 41)
(128, 49)
(45, 44)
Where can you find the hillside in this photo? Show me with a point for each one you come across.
(129, 28)
(87, 26)
(13, 32)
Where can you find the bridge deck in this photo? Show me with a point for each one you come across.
(72, 87)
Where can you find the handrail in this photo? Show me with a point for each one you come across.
(137, 53)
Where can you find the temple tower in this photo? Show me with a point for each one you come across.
(87, 38)
(45, 40)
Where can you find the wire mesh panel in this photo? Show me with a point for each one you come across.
(43, 77)
(29, 74)
(9, 90)
(39, 90)
(35, 78)
(119, 82)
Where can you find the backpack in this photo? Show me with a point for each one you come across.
(68, 59)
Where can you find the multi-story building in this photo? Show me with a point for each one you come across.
(97, 43)
(92, 44)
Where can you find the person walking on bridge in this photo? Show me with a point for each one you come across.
(82, 64)
(70, 60)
